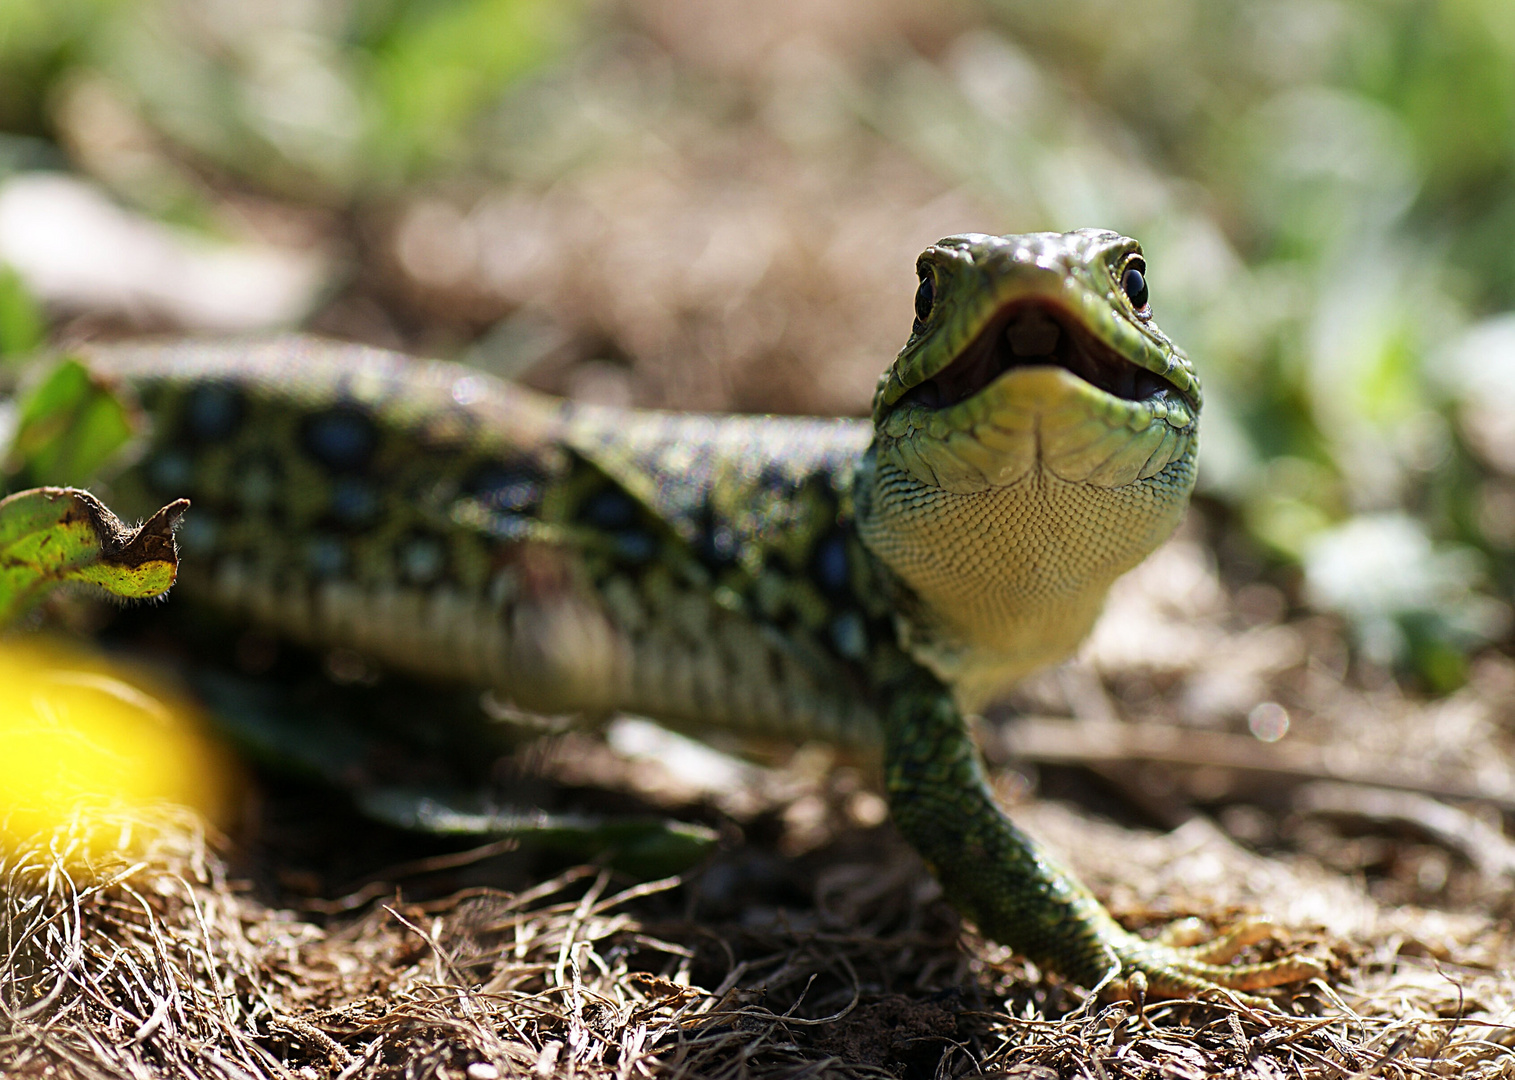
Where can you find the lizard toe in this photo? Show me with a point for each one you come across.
(1199, 942)
(1170, 971)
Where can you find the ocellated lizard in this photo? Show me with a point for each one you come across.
(869, 583)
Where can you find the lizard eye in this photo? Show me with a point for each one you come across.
(925, 296)
(1133, 282)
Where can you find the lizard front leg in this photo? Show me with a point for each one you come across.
(1010, 886)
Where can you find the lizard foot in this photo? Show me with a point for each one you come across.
(1184, 962)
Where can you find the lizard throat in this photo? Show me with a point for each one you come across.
(1034, 333)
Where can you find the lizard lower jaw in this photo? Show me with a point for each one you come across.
(1039, 418)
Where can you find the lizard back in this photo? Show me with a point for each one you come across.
(574, 559)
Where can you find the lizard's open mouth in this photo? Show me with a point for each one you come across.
(1033, 333)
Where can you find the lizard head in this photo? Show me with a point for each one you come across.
(1034, 439)
(1035, 351)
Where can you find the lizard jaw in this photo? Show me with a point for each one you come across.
(1039, 420)
(1038, 390)
(1034, 332)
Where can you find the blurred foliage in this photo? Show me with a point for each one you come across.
(436, 65)
(22, 324)
(69, 428)
(315, 99)
(1325, 189)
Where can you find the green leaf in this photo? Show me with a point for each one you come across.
(70, 425)
(643, 847)
(22, 326)
(49, 536)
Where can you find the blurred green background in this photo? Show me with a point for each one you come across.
(716, 204)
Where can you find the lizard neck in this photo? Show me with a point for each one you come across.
(1002, 581)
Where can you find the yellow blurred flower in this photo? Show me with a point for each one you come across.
(96, 756)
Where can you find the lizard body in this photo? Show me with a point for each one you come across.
(866, 583)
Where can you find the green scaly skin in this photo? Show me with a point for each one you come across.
(778, 577)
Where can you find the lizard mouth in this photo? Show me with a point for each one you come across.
(1034, 333)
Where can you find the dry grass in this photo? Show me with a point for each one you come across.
(169, 968)
(166, 969)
